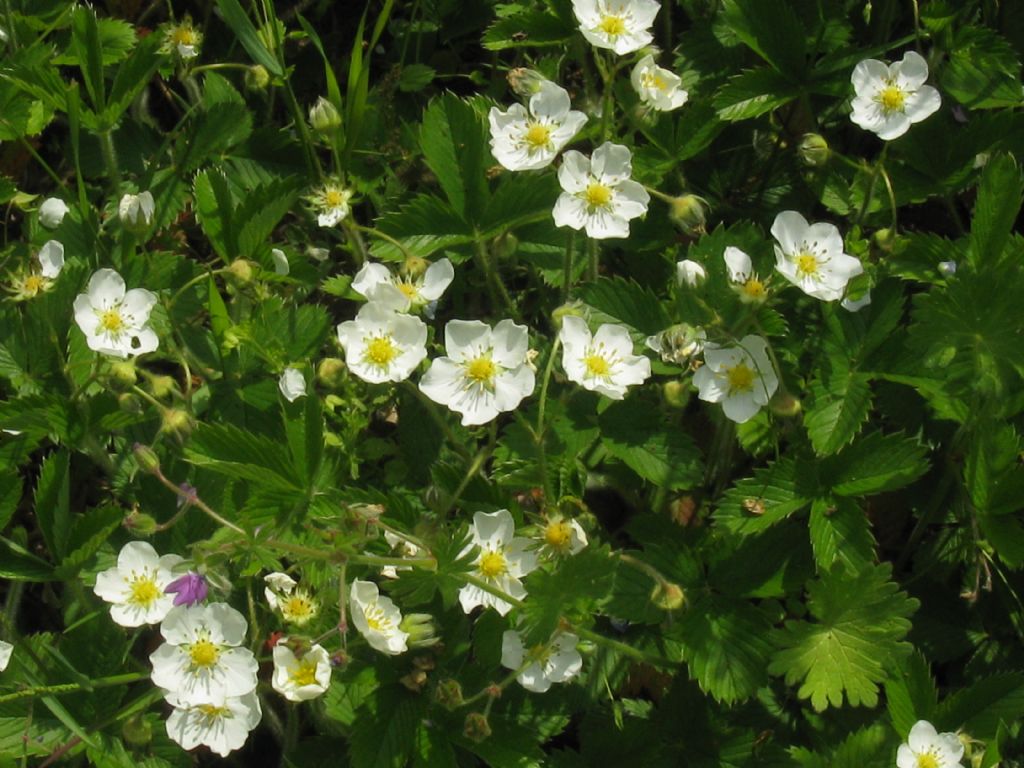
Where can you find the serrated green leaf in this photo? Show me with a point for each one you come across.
(425, 225)
(772, 30)
(840, 406)
(235, 453)
(659, 452)
(261, 211)
(90, 532)
(415, 77)
(18, 564)
(10, 495)
(247, 35)
(774, 493)
(1000, 194)
(51, 502)
(624, 301)
(980, 708)
(214, 206)
(874, 464)
(454, 143)
(533, 29)
(840, 531)
(753, 93)
(910, 694)
(983, 71)
(384, 736)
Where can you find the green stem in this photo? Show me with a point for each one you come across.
(870, 193)
(593, 259)
(570, 253)
(892, 198)
(489, 589)
(197, 502)
(110, 157)
(439, 419)
(621, 647)
(478, 461)
(549, 490)
(494, 283)
(49, 690)
(386, 238)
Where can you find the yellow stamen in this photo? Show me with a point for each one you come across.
(298, 608)
(740, 378)
(807, 264)
(613, 26)
(597, 195)
(380, 351)
(537, 136)
(653, 80)
(927, 760)
(481, 370)
(111, 321)
(596, 365)
(493, 565)
(558, 534)
(754, 288)
(203, 653)
(892, 99)
(184, 36)
(144, 591)
(410, 290)
(33, 284)
(211, 711)
(304, 674)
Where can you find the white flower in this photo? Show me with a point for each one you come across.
(658, 88)
(501, 561)
(222, 725)
(292, 384)
(947, 268)
(890, 98)
(560, 536)
(52, 211)
(383, 345)
(556, 662)
(926, 748)
(201, 661)
(296, 604)
(689, 272)
(404, 292)
(377, 618)
(330, 203)
(741, 274)
(51, 259)
(856, 305)
(136, 211)
(182, 38)
(301, 679)
(741, 378)
(317, 254)
(524, 142)
(604, 362)
(598, 194)
(6, 649)
(114, 321)
(281, 265)
(811, 256)
(135, 586)
(402, 548)
(621, 25)
(678, 344)
(31, 284)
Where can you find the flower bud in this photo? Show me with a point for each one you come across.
(161, 386)
(140, 523)
(324, 117)
(525, 82)
(784, 404)
(414, 266)
(129, 403)
(689, 213)
(884, 239)
(122, 374)
(146, 457)
(947, 268)
(676, 394)
(52, 211)
(414, 681)
(813, 150)
(257, 78)
(176, 421)
(449, 694)
(668, 596)
(679, 344)
(241, 271)
(476, 727)
(136, 212)
(137, 731)
(689, 272)
(189, 589)
(421, 629)
(505, 246)
(574, 308)
(331, 372)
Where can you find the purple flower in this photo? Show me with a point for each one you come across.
(188, 589)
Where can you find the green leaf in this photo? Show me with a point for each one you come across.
(910, 694)
(235, 453)
(752, 93)
(874, 464)
(624, 301)
(661, 453)
(304, 424)
(454, 142)
(51, 502)
(261, 211)
(772, 30)
(132, 76)
(247, 35)
(533, 29)
(983, 71)
(840, 531)
(10, 495)
(214, 129)
(1000, 194)
(85, 39)
(214, 207)
(333, 91)
(425, 225)
(384, 735)
(861, 620)
(840, 405)
(18, 564)
(774, 493)
(980, 708)
(415, 77)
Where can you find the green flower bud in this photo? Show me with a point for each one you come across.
(324, 117)
(257, 78)
(414, 266)
(668, 596)
(813, 150)
(146, 457)
(161, 386)
(525, 82)
(140, 523)
(884, 239)
(784, 404)
(476, 727)
(421, 629)
(137, 731)
(122, 374)
(331, 372)
(689, 213)
(449, 694)
(129, 403)
(574, 308)
(241, 271)
(176, 421)
(676, 393)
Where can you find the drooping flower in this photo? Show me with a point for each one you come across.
(598, 194)
(330, 202)
(281, 265)
(292, 384)
(523, 141)
(405, 291)
(183, 39)
(136, 211)
(604, 362)
(222, 725)
(690, 273)
(926, 748)
(679, 344)
(657, 87)
(324, 116)
(382, 344)
(890, 98)
(6, 649)
(740, 268)
(136, 586)
(623, 26)
(30, 284)
(402, 548)
(189, 589)
(485, 372)
(202, 660)
(562, 536)
(811, 256)
(556, 662)
(741, 378)
(295, 603)
(377, 618)
(52, 212)
(301, 679)
(113, 320)
(502, 560)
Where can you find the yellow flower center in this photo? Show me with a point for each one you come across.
(184, 36)
(597, 195)
(892, 98)
(212, 712)
(410, 290)
(299, 608)
(376, 620)
(928, 760)
(493, 564)
(381, 351)
(33, 284)
(653, 80)
(613, 26)
(807, 264)
(203, 654)
(558, 534)
(537, 136)
(335, 198)
(481, 370)
(111, 321)
(596, 365)
(144, 591)
(304, 674)
(740, 378)
(754, 288)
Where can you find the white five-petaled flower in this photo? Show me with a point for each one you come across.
(52, 212)
(501, 560)
(740, 269)
(292, 384)
(136, 211)
(623, 26)
(301, 679)
(222, 725)
(113, 320)
(330, 202)
(486, 372)
(892, 97)
(404, 292)
(202, 660)
(604, 362)
(135, 586)
(30, 284)
(690, 273)
(382, 344)
(926, 748)
(560, 536)
(556, 662)
(741, 378)
(598, 194)
(811, 256)
(657, 87)
(296, 604)
(523, 141)
(377, 618)
(6, 649)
